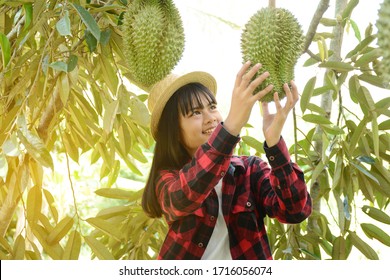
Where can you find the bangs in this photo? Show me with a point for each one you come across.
(190, 97)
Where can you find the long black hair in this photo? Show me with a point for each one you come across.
(169, 152)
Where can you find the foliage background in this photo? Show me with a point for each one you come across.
(75, 146)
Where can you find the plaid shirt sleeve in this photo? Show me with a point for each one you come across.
(283, 192)
(181, 192)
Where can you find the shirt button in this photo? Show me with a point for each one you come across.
(271, 158)
(200, 244)
(248, 204)
(212, 218)
(222, 173)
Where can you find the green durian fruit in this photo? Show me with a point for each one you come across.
(153, 40)
(383, 26)
(274, 38)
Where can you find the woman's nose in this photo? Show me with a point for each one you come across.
(210, 117)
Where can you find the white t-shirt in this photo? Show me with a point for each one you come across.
(218, 247)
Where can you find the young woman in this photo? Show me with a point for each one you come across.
(215, 202)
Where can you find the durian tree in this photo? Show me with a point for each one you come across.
(69, 92)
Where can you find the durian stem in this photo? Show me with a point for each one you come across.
(272, 3)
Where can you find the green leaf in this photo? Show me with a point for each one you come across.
(368, 57)
(307, 93)
(317, 119)
(88, 20)
(72, 63)
(384, 125)
(315, 108)
(362, 246)
(5, 49)
(376, 214)
(348, 10)
(361, 46)
(337, 66)
(373, 80)
(98, 249)
(366, 159)
(357, 133)
(365, 172)
(322, 90)
(356, 30)
(63, 25)
(28, 9)
(354, 86)
(332, 129)
(369, 101)
(375, 134)
(253, 142)
(105, 37)
(372, 231)
(339, 250)
(59, 66)
(91, 41)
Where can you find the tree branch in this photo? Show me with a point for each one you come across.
(321, 9)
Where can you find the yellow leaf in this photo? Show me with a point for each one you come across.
(60, 230)
(72, 248)
(64, 87)
(106, 227)
(50, 201)
(19, 248)
(34, 204)
(98, 249)
(54, 251)
(321, 49)
(36, 172)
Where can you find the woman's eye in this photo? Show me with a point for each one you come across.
(213, 107)
(194, 113)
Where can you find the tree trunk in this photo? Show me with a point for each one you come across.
(326, 104)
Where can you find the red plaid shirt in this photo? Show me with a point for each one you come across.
(250, 191)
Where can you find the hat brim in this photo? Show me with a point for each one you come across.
(171, 86)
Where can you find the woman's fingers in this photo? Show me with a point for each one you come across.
(259, 95)
(241, 73)
(291, 94)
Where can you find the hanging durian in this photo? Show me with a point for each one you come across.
(274, 38)
(383, 25)
(153, 39)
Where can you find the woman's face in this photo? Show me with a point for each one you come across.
(197, 126)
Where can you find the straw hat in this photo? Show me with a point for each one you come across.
(164, 89)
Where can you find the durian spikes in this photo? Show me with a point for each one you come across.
(383, 26)
(274, 38)
(153, 39)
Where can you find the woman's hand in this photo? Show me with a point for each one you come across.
(243, 98)
(273, 123)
